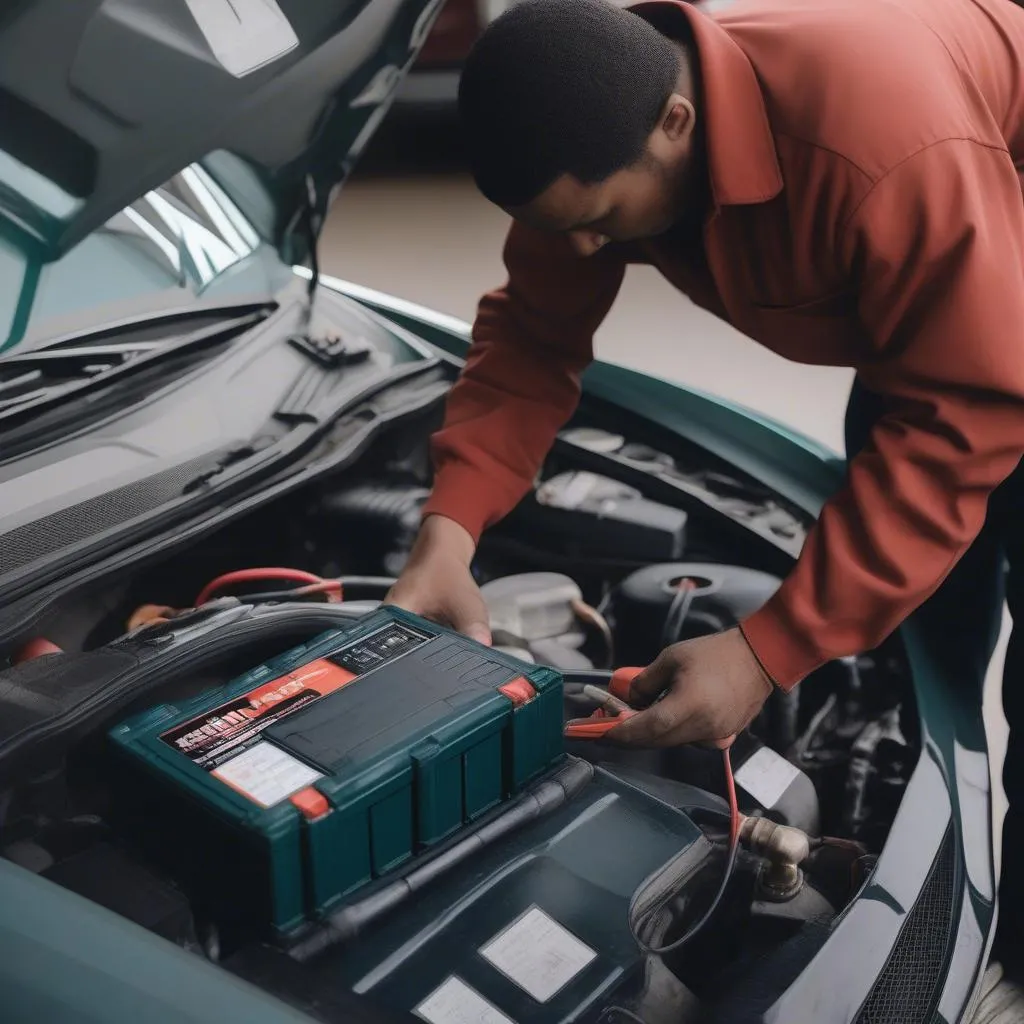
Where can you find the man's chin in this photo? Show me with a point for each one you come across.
(662, 227)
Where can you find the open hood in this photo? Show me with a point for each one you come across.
(103, 100)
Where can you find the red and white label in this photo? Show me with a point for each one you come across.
(224, 732)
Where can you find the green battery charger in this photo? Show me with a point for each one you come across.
(285, 791)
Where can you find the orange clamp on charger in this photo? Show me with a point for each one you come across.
(613, 708)
(621, 682)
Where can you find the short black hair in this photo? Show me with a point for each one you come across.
(557, 87)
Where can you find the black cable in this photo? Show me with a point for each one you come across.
(379, 584)
(537, 801)
(685, 599)
(311, 225)
(294, 594)
(594, 676)
(730, 866)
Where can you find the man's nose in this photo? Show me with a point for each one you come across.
(586, 243)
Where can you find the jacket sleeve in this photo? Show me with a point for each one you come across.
(937, 251)
(521, 383)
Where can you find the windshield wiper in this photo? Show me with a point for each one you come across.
(33, 382)
(312, 224)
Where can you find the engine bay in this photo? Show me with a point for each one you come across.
(568, 889)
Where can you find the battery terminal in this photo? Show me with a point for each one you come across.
(311, 802)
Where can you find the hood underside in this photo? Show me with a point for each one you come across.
(103, 100)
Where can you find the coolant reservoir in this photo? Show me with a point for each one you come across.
(533, 615)
(532, 606)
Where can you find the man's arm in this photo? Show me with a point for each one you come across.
(937, 247)
(531, 341)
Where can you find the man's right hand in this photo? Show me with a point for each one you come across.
(437, 582)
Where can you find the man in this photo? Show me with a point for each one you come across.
(836, 179)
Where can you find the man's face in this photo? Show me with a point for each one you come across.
(641, 201)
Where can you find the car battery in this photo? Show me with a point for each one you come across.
(279, 794)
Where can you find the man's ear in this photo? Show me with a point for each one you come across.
(679, 118)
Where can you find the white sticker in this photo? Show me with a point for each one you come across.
(244, 34)
(766, 776)
(538, 954)
(456, 1003)
(266, 774)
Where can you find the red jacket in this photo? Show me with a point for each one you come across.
(867, 212)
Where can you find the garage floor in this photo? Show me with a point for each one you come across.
(410, 223)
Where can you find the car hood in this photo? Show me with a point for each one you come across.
(103, 100)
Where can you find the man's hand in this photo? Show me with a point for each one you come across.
(437, 583)
(713, 686)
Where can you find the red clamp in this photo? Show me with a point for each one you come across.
(621, 682)
(613, 707)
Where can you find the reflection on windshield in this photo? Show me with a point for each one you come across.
(37, 189)
(169, 246)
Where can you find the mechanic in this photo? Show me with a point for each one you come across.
(838, 180)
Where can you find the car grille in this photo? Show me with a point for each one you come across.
(909, 986)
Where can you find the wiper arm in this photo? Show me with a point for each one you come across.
(312, 224)
(79, 359)
(17, 385)
(35, 381)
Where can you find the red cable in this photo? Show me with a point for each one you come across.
(262, 575)
(734, 805)
(37, 647)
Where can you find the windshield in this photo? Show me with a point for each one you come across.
(181, 243)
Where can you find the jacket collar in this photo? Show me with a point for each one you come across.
(742, 162)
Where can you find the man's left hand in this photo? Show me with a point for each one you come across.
(713, 687)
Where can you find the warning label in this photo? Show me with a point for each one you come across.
(266, 775)
(538, 954)
(456, 1003)
(225, 731)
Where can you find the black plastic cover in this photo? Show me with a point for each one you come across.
(588, 513)
(422, 687)
(105, 875)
